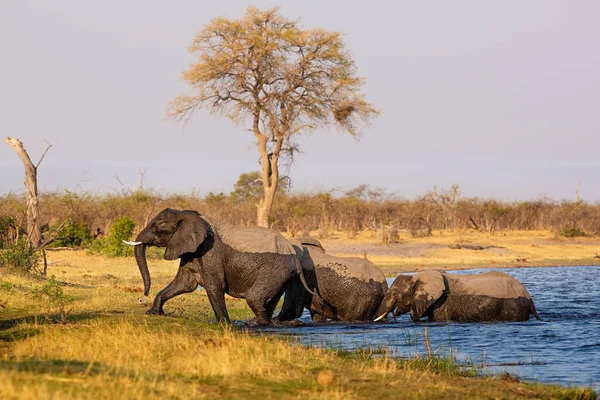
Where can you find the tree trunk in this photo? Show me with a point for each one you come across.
(34, 231)
(264, 206)
(270, 177)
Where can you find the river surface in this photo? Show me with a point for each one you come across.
(563, 348)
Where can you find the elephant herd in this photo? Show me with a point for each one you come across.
(261, 265)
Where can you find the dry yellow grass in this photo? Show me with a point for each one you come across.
(110, 349)
(537, 248)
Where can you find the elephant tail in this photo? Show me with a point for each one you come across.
(533, 310)
(301, 274)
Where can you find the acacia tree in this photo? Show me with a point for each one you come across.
(265, 71)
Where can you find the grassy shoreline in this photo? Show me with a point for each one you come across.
(110, 349)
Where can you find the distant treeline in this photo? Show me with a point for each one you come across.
(362, 209)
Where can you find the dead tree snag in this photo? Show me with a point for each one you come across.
(34, 231)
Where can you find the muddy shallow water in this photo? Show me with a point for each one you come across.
(562, 348)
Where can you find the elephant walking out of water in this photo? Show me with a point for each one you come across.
(253, 263)
(350, 288)
(487, 297)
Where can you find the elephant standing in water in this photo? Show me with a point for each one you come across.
(251, 263)
(350, 288)
(486, 297)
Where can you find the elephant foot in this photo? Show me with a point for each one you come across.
(288, 324)
(154, 311)
(257, 323)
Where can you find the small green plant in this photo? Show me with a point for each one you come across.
(20, 257)
(6, 286)
(112, 245)
(571, 232)
(52, 291)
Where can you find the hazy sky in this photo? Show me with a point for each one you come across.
(502, 98)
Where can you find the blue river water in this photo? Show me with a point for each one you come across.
(563, 348)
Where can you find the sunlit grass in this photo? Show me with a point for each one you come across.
(110, 349)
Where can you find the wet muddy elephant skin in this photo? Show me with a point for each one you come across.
(487, 297)
(251, 263)
(351, 288)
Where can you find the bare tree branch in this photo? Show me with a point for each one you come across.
(48, 145)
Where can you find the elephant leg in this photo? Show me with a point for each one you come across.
(216, 296)
(261, 308)
(263, 296)
(184, 282)
(262, 302)
(293, 302)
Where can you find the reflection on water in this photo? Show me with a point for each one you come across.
(562, 348)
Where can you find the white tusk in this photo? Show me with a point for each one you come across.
(380, 317)
(131, 243)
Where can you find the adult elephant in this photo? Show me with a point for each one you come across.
(251, 263)
(486, 297)
(350, 288)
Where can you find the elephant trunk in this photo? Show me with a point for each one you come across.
(140, 258)
(387, 305)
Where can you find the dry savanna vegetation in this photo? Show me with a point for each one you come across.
(395, 233)
(83, 333)
(107, 348)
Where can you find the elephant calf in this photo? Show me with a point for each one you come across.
(350, 288)
(486, 297)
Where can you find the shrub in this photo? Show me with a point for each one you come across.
(112, 245)
(20, 257)
(74, 234)
(571, 232)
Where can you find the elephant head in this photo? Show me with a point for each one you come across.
(179, 231)
(413, 293)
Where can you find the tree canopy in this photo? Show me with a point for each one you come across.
(266, 71)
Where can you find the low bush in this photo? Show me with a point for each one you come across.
(20, 257)
(74, 234)
(112, 245)
(571, 232)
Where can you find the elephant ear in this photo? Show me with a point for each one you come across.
(190, 232)
(428, 287)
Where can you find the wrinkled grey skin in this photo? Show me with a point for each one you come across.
(486, 297)
(208, 261)
(351, 288)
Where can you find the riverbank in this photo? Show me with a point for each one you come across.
(467, 250)
(109, 349)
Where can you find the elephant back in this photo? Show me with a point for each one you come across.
(347, 267)
(251, 239)
(493, 284)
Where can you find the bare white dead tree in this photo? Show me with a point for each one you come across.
(34, 231)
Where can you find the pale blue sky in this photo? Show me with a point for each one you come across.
(502, 98)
